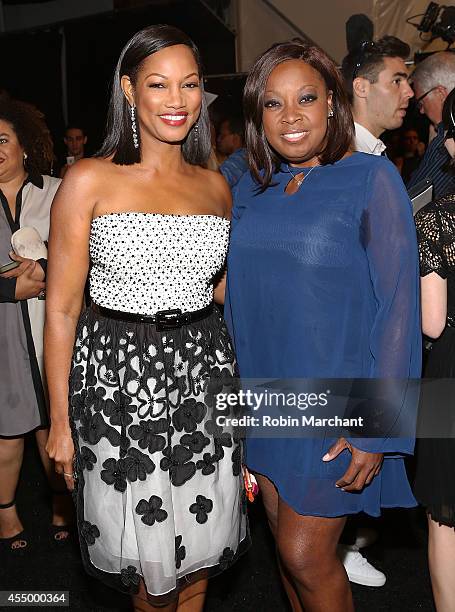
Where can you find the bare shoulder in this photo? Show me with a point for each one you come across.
(88, 171)
(80, 189)
(217, 189)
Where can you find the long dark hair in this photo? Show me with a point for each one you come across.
(32, 133)
(119, 141)
(262, 159)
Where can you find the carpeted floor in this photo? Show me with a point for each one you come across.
(252, 585)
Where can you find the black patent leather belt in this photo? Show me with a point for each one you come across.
(164, 319)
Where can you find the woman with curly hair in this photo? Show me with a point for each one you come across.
(26, 194)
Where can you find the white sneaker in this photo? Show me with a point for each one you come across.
(358, 569)
(365, 537)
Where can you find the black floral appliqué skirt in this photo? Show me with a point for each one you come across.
(159, 493)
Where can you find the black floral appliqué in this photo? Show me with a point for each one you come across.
(114, 474)
(76, 381)
(237, 461)
(201, 508)
(226, 558)
(180, 552)
(94, 398)
(89, 532)
(151, 510)
(130, 577)
(189, 415)
(94, 427)
(87, 459)
(206, 464)
(136, 465)
(77, 403)
(196, 441)
(119, 408)
(177, 461)
(147, 432)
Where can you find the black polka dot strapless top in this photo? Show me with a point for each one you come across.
(147, 262)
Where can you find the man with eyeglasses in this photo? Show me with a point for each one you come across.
(433, 80)
(376, 79)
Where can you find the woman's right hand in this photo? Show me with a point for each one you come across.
(27, 286)
(60, 448)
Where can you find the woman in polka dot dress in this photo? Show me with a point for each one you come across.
(157, 480)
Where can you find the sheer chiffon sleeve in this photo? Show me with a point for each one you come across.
(389, 238)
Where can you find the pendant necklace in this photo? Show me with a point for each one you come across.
(299, 180)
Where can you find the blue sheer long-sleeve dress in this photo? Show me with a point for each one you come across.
(324, 283)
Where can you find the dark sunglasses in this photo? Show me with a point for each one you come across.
(418, 102)
(365, 47)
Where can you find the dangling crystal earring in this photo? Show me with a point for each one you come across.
(196, 132)
(331, 113)
(133, 127)
(25, 158)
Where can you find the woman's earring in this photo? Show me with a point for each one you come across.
(331, 113)
(25, 157)
(134, 127)
(196, 132)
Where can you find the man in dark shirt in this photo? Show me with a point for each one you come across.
(433, 80)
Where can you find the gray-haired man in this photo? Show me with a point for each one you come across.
(433, 80)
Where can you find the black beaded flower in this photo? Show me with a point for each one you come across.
(226, 558)
(90, 377)
(177, 461)
(201, 508)
(237, 461)
(223, 438)
(118, 409)
(76, 381)
(94, 427)
(180, 552)
(78, 403)
(189, 415)
(87, 459)
(114, 474)
(221, 380)
(94, 398)
(137, 465)
(151, 510)
(206, 464)
(195, 441)
(147, 434)
(130, 577)
(89, 532)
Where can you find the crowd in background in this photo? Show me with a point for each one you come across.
(387, 105)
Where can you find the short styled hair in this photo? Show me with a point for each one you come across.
(437, 69)
(75, 126)
(119, 142)
(263, 160)
(371, 60)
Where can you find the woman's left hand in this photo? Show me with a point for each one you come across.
(362, 469)
(38, 273)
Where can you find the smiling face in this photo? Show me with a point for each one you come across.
(388, 98)
(11, 153)
(295, 115)
(167, 94)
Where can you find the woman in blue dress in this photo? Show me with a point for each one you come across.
(322, 283)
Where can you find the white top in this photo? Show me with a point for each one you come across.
(366, 142)
(147, 262)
